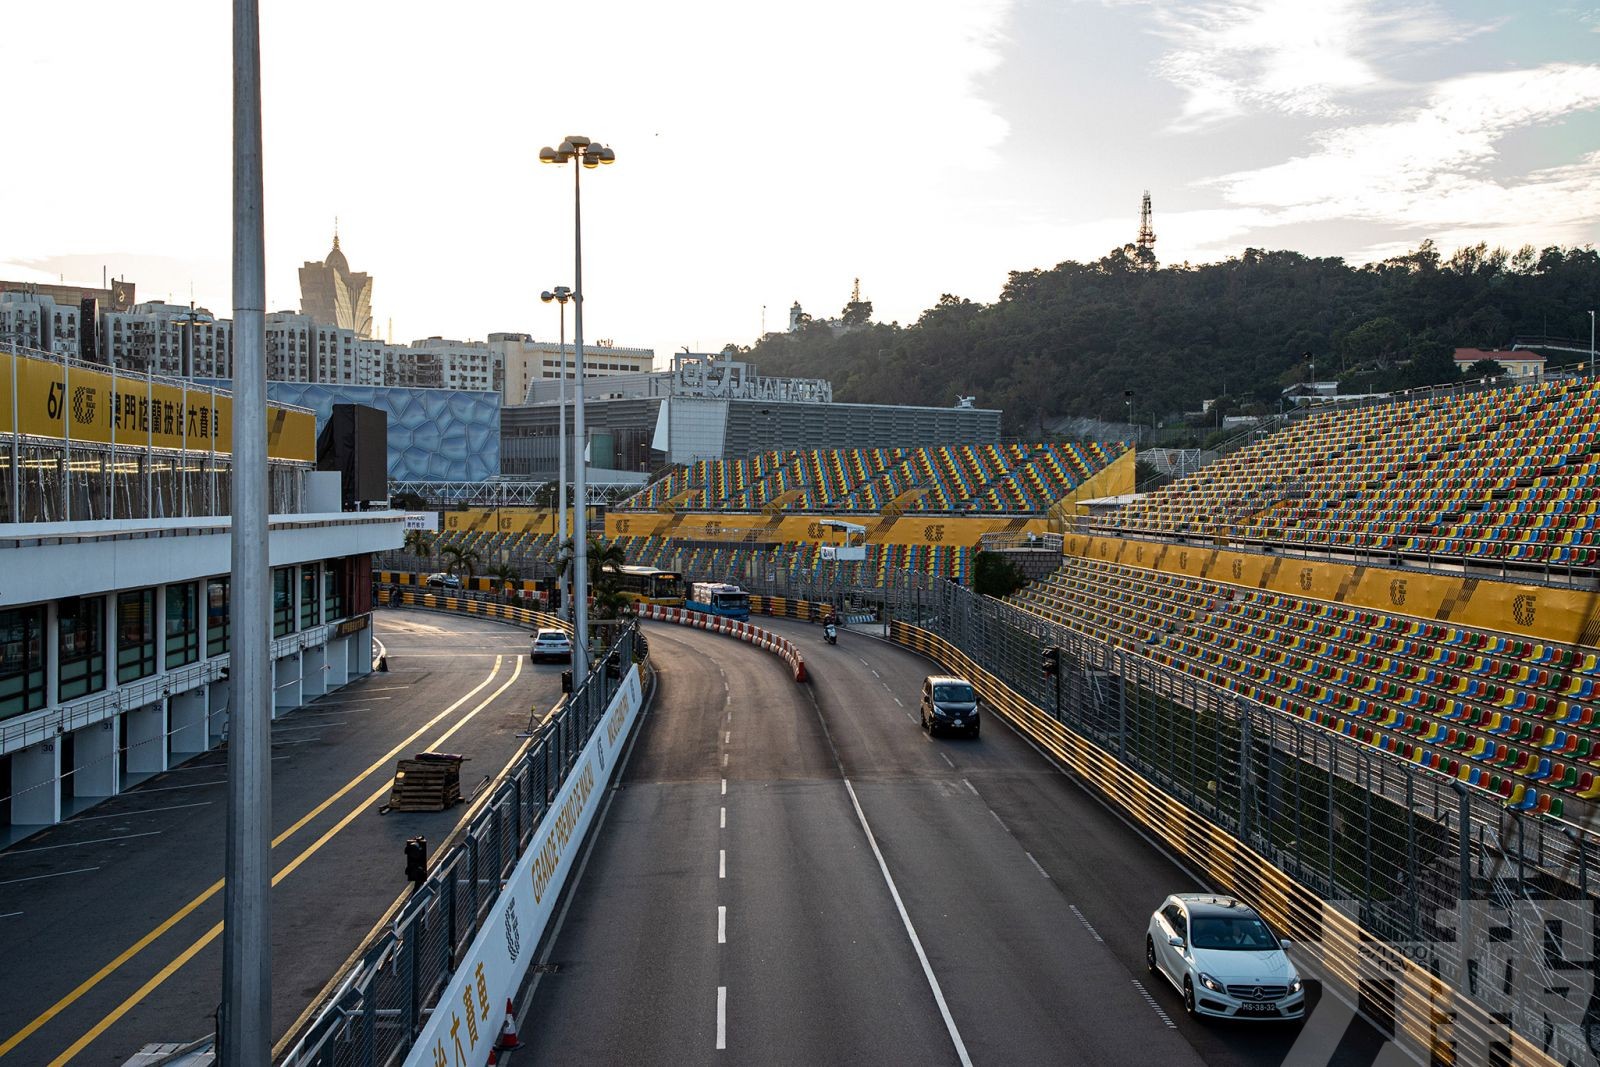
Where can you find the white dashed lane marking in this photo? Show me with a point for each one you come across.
(948, 760)
(1092, 931)
(722, 924)
(1148, 999)
(722, 1016)
(1046, 873)
(57, 874)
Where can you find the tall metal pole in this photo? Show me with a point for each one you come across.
(580, 494)
(246, 955)
(566, 605)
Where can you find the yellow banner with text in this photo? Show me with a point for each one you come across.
(1567, 616)
(78, 403)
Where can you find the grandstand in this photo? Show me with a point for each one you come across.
(986, 478)
(924, 509)
(1506, 476)
(1452, 666)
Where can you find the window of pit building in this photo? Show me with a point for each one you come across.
(182, 625)
(282, 601)
(334, 574)
(310, 600)
(219, 622)
(81, 652)
(136, 634)
(22, 660)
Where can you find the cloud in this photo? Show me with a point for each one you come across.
(1429, 168)
(1233, 57)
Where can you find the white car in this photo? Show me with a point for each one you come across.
(551, 645)
(1223, 958)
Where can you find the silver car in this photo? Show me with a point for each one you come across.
(553, 645)
(1223, 958)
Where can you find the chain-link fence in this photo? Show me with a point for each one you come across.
(380, 1005)
(1444, 875)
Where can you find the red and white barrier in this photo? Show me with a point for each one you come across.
(753, 635)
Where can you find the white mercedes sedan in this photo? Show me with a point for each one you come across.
(1223, 958)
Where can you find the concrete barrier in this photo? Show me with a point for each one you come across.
(744, 631)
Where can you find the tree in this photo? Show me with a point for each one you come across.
(1377, 341)
(994, 575)
(465, 560)
(506, 577)
(408, 502)
(1486, 368)
(419, 543)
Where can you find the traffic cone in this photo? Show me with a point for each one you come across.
(508, 1041)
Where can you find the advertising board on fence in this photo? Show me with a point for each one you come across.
(466, 1021)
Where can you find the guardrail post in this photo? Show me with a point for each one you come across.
(369, 1023)
(473, 868)
(450, 920)
(1122, 704)
(408, 965)
(1246, 772)
(1412, 903)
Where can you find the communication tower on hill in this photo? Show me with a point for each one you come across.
(1147, 233)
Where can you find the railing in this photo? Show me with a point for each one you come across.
(1282, 811)
(379, 1006)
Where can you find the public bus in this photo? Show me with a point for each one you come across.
(648, 585)
(719, 598)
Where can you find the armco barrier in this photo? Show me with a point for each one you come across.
(398, 596)
(1427, 1018)
(745, 632)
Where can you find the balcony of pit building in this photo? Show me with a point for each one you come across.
(114, 594)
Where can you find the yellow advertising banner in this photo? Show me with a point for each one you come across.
(82, 404)
(1567, 616)
(910, 528)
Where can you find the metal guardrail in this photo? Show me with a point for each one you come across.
(1299, 820)
(377, 1009)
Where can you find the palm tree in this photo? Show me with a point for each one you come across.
(506, 576)
(605, 561)
(418, 543)
(470, 561)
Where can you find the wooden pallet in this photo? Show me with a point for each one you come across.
(425, 785)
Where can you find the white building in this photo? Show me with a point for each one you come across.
(527, 361)
(300, 349)
(115, 630)
(28, 320)
(470, 365)
(169, 340)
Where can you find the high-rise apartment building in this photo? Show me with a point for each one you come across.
(31, 320)
(169, 340)
(469, 365)
(331, 293)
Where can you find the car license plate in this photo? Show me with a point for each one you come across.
(1258, 1009)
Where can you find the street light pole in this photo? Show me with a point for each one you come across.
(562, 294)
(246, 1035)
(588, 155)
(1591, 342)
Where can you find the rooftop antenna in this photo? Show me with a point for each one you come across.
(1147, 233)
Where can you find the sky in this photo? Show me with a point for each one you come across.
(767, 154)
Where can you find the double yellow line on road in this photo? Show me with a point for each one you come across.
(182, 913)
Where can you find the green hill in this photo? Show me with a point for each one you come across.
(1071, 340)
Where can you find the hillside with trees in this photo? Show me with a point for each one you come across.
(1072, 340)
